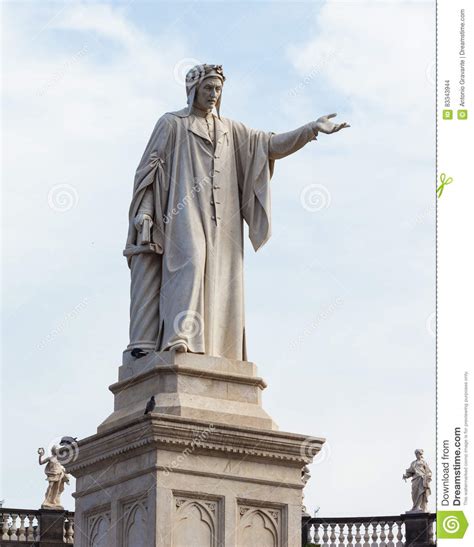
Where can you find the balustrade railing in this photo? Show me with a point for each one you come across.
(24, 526)
(365, 531)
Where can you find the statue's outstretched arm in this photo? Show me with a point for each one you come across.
(41, 458)
(284, 144)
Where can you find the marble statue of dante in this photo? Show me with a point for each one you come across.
(201, 176)
(420, 475)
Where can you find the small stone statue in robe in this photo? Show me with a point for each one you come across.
(420, 475)
(201, 176)
(56, 476)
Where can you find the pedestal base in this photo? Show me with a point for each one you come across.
(418, 529)
(192, 473)
(192, 386)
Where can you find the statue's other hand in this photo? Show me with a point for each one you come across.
(324, 124)
(139, 220)
(41, 451)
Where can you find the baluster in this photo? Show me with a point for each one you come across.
(374, 535)
(37, 530)
(341, 535)
(69, 535)
(390, 534)
(400, 542)
(350, 536)
(315, 537)
(5, 526)
(332, 535)
(14, 528)
(30, 533)
(358, 535)
(309, 534)
(325, 534)
(366, 534)
(383, 535)
(21, 529)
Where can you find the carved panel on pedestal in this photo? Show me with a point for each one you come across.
(196, 522)
(98, 527)
(133, 522)
(259, 525)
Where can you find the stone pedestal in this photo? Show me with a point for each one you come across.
(207, 468)
(418, 529)
(52, 527)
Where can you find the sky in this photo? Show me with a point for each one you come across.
(339, 303)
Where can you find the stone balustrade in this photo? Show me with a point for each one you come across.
(392, 531)
(24, 526)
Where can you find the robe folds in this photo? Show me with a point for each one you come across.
(420, 475)
(187, 283)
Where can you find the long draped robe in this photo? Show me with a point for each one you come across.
(420, 474)
(187, 284)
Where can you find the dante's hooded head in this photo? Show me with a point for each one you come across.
(198, 74)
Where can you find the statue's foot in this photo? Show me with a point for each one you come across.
(179, 347)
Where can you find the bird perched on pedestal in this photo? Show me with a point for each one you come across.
(150, 406)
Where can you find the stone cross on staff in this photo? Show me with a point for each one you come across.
(201, 176)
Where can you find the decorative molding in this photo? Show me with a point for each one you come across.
(271, 519)
(121, 385)
(209, 514)
(95, 522)
(130, 511)
(153, 468)
(178, 434)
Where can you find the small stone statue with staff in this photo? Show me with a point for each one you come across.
(420, 474)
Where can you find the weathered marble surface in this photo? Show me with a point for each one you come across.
(189, 385)
(168, 481)
(55, 475)
(200, 178)
(420, 474)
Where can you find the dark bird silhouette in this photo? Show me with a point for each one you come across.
(138, 353)
(150, 406)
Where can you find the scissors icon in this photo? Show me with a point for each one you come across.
(444, 182)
